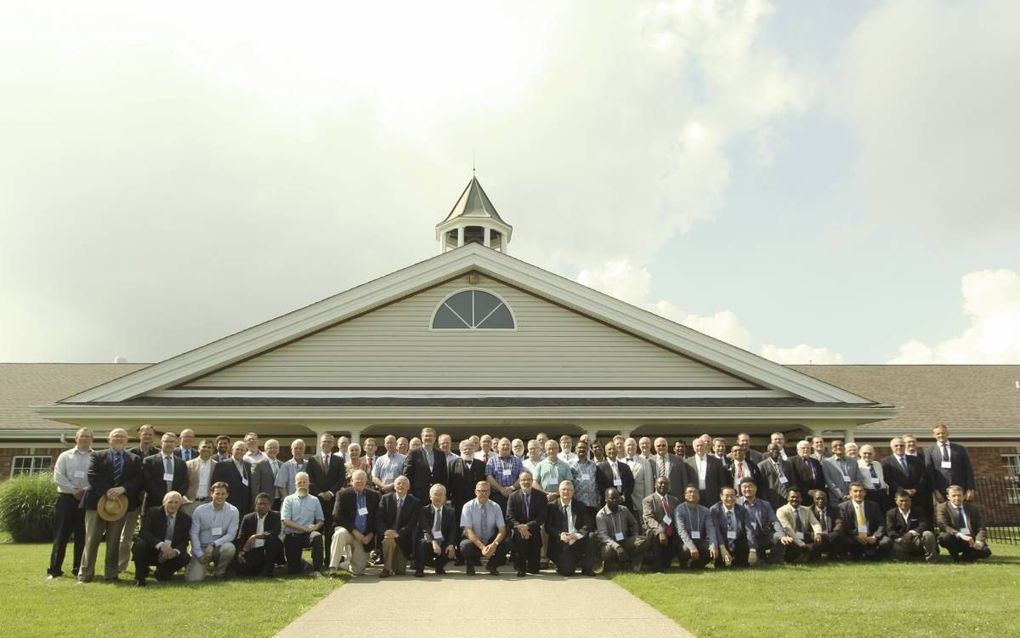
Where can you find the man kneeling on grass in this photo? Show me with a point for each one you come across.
(213, 529)
(163, 540)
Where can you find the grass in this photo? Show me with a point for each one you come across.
(236, 607)
(845, 599)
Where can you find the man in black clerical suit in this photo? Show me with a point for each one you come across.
(808, 473)
(613, 472)
(569, 527)
(162, 540)
(437, 533)
(164, 472)
(236, 473)
(395, 525)
(526, 511)
(258, 541)
(326, 475)
(426, 466)
(464, 474)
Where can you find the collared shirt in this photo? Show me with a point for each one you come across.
(550, 474)
(702, 462)
(72, 471)
(260, 528)
(531, 465)
(387, 468)
(568, 457)
(205, 469)
(303, 510)
(211, 526)
(360, 505)
(613, 528)
(285, 477)
(585, 488)
(505, 469)
(168, 460)
(568, 516)
(257, 457)
(471, 516)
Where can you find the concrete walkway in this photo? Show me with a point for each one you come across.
(566, 608)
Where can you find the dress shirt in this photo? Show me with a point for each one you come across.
(549, 475)
(260, 528)
(360, 505)
(568, 457)
(168, 462)
(702, 462)
(72, 470)
(205, 469)
(285, 477)
(585, 487)
(211, 526)
(388, 467)
(505, 469)
(740, 471)
(304, 510)
(257, 457)
(471, 516)
(531, 465)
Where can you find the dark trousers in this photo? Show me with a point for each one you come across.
(661, 555)
(834, 545)
(959, 550)
(68, 519)
(146, 557)
(695, 563)
(260, 560)
(858, 550)
(769, 549)
(473, 556)
(567, 557)
(527, 551)
(738, 549)
(328, 526)
(633, 553)
(424, 555)
(806, 552)
(293, 544)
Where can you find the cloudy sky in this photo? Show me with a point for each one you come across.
(825, 182)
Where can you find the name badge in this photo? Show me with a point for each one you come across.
(619, 536)
(258, 544)
(618, 482)
(846, 478)
(667, 520)
(244, 482)
(731, 534)
(506, 472)
(946, 465)
(585, 477)
(79, 474)
(168, 476)
(965, 531)
(799, 535)
(437, 536)
(217, 531)
(696, 535)
(782, 480)
(362, 511)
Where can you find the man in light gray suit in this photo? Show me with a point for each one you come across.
(644, 480)
(840, 471)
(670, 466)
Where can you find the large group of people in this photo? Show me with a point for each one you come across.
(215, 507)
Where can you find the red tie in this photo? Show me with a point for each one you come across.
(669, 528)
(740, 470)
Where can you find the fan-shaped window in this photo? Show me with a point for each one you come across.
(471, 310)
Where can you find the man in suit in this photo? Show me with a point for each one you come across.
(778, 475)
(222, 448)
(962, 527)
(620, 540)
(162, 540)
(802, 533)
(808, 473)
(644, 480)
(751, 456)
(526, 511)
(569, 525)
(355, 514)
(112, 473)
(948, 464)
(905, 473)
(164, 472)
(762, 519)
(426, 466)
(909, 530)
(670, 466)
(326, 476)
(873, 478)
(612, 472)
(484, 532)
(863, 526)
(736, 537)
(778, 438)
(436, 540)
(258, 541)
(840, 471)
(818, 451)
(708, 472)
(739, 467)
(395, 525)
(145, 448)
(186, 450)
(200, 470)
(236, 473)
(833, 542)
(697, 531)
(660, 528)
(463, 475)
(263, 475)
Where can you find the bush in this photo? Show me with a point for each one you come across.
(26, 507)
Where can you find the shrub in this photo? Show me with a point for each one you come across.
(26, 507)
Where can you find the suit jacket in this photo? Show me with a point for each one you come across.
(461, 482)
(652, 512)
(153, 529)
(961, 473)
(949, 521)
(803, 477)
(913, 478)
(556, 524)
(321, 479)
(695, 519)
(386, 519)
(776, 489)
(896, 526)
(100, 477)
(239, 483)
(742, 526)
(762, 518)
(644, 481)
(536, 510)
(678, 473)
(830, 520)
(808, 520)
(752, 472)
(193, 478)
(715, 477)
(263, 480)
(152, 478)
(447, 524)
(416, 469)
(137, 451)
(872, 512)
(604, 480)
(193, 453)
(250, 524)
(345, 509)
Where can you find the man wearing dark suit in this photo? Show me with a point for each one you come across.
(395, 525)
(903, 472)
(671, 466)
(910, 532)
(236, 473)
(258, 540)
(660, 529)
(833, 542)
(708, 472)
(354, 515)
(526, 510)
(697, 531)
(436, 539)
(739, 467)
(263, 476)
(326, 475)
(808, 473)
(569, 528)
(112, 472)
(961, 527)
(736, 537)
(464, 474)
(136, 506)
(186, 449)
(863, 526)
(162, 540)
(778, 475)
(164, 472)
(751, 456)
(426, 466)
(948, 464)
(613, 472)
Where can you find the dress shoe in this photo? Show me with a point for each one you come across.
(588, 572)
(470, 570)
(139, 583)
(521, 573)
(440, 571)
(419, 573)
(493, 570)
(385, 573)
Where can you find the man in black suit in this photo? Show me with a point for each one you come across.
(163, 540)
(526, 511)
(259, 539)
(164, 472)
(903, 472)
(436, 539)
(426, 466)
(614, 473)
(236, 473)
(948, 464)
(569, 528)
(136, 506)
(736, 536)
(833, 541)
(962, 527)
(112, 472)
(671, 466)
(808, 473)
(910, 531)
(326, 475)
(739, 467)
(354, 516)
(186, 449)
(464, 474)
(778, 476)
(395, 525)
(708, 472)
(863, 526)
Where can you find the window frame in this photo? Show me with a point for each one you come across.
(469, 329)
(38, 464)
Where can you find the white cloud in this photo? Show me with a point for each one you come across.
(991, 303)
(801, 354)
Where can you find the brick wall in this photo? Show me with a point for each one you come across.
(7, 456)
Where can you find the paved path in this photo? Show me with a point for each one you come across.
(584, 613)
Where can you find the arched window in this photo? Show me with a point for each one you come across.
(473, 310)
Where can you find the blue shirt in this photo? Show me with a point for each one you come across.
(303, 510)
(471, 516)
(211, 526)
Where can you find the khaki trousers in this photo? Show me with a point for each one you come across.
(344, 544)
(95, 529)
(393, 557)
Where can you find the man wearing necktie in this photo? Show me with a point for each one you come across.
(657, 514)
(833, 541)
(863, 526)
(568, 525)
(873, 478)
(807, 470)
(526, 512)
(484, 532)
(904, 472)
(186, 449)
(164, 472)
(395, 525)
(236, 473)
(736, 536)
(263, 475)
(949, 464)
(802, 532)
(910, 532)
(437, 540)
(426, 466)
(162, 540)
(326, 475)
(962, 527)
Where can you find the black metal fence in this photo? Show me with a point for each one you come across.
(999, 499)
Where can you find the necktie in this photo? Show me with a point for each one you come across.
(485, 521)
(821, 519)
(400, 504)
(428, 457)
(862, 523)
(118, 466)
(527, 506)
(661, 467)
(810, 464)
(740, 470)
(903, 462)
(798, 522)
(945, 451)
(963, 519)
(729, 519)
(168, 467)
(170, 528)
(437, 520)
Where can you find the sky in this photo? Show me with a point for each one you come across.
(813, 182)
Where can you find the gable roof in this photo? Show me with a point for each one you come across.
(454, 263)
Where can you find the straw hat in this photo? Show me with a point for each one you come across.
(112, 509)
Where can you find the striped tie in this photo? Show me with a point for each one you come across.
(118, 467)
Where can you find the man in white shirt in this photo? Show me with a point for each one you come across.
(253, 455)
(71, 477)
(200, 471)
(644, 480)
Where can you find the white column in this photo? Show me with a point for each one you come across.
(356, 434)
(460, 236)
(488, 238)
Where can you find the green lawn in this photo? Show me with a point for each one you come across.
(238, 607)
(915, 599)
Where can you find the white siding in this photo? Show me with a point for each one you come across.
(394, 347)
